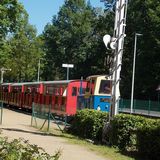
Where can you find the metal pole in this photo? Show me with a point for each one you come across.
(39, 62)
(118, 42)
(133, 73)
(119, 34)
(67, 73)
(68, 66)
(81, 87)
(2, 72)
(1, 112)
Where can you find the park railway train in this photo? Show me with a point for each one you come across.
(64, 96)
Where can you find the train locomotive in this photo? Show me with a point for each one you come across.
(97, 93)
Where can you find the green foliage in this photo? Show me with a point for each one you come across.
(20, 49)
(12, 16)
(127, 132)
(142, 17)
(123, 131)
(11, 13)
(148, 140)
(135, 133)
(25, 51)
(88, 124)
(19, 149)
(75, 36)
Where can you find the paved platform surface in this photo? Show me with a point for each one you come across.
(17, 125)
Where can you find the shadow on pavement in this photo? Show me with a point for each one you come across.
(36, 133)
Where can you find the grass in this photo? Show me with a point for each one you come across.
(105, 151)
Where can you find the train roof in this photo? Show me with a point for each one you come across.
(41, 82)
(5, 84)
(96, 76)
(25, 83)
(58, 82)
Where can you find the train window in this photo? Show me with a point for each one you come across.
(74, 91)
(16, 90)
(87, 89)
(63, 100)
(55, 91)
(105, 87)
(34, 90)
(81, 90)
(28, 90)
(5, 89)
(90, 86)
(49, 90)
(56, 100)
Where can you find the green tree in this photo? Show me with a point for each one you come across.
(100, 59)
(69, 35)
(11, 13)
(143, 17)
(75, 36)
(24, 54)
(12, 18)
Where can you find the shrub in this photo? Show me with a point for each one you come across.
(148, 139)
(130, 133)
(123, 131)
(19, 149)
(127, 132)
(88, 123)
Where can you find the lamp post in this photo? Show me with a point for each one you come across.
(39, 65)
(2, 72)
(158, 90)
(133, 72)
(67, 66)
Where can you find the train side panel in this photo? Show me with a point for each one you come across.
(74, 89)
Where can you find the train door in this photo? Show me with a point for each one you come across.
(72, 93)
(89, 93)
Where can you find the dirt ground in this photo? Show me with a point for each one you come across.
(17, 125)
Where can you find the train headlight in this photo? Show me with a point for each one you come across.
(98, 108)
(106, 107)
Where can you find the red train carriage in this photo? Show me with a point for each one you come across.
(4, 92)
(62, 95)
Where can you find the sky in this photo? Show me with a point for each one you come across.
(41, 11)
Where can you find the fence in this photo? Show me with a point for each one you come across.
(43, 112)
(140, 107)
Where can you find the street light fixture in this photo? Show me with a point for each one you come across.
(133, 73)
(2, 72)
(68, 66)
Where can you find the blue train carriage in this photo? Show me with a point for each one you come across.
(98, 93)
